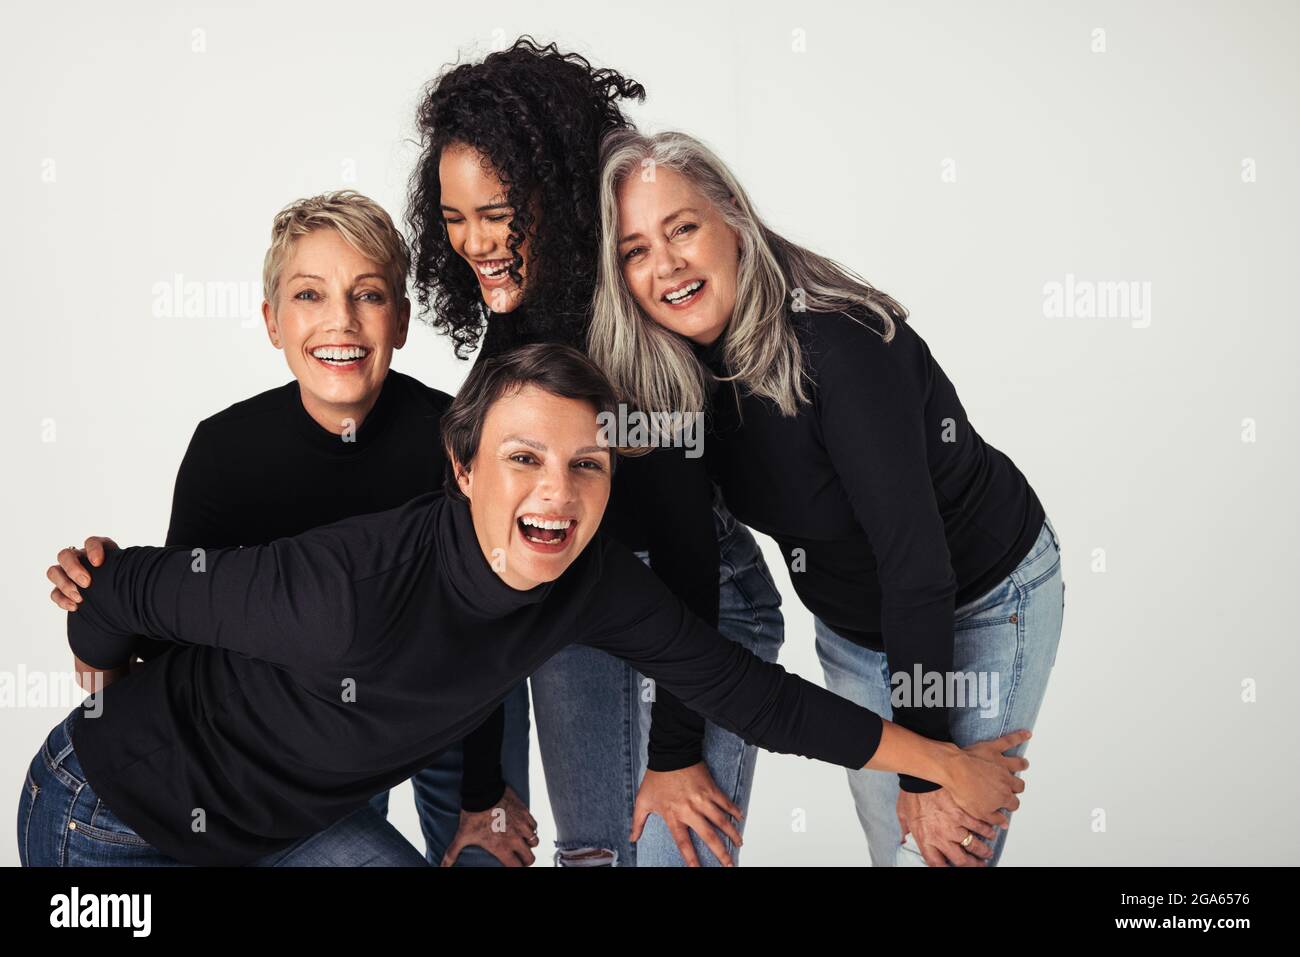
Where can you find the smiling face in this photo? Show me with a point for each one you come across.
(679, 257)
(538, 484)
(477, 215)
(338, 323)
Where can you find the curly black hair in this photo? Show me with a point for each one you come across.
(538, 116)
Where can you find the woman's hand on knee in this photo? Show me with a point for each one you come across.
(939, 827)
(506, 830)
(983, 779)
(688, 800)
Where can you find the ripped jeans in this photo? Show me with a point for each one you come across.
(593, 727)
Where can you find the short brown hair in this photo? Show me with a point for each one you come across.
(558, 369)
(358, 219)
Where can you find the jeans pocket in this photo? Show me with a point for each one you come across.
(995, 605)
(107, 827)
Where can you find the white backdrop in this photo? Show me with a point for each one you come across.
(963, 157)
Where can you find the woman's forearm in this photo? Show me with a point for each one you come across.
(910, 753)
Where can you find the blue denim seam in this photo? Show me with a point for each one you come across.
(54, 762)
(734, 795)
(1056, 539)
(67, 827)
(759, 565)
(1035, 553)
(755, 623)
(1028, 586)
(631, 713)
(1021, 596)
(33, 791)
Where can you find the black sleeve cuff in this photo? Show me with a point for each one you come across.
(483, 799)
(482, 784)
(676, 734)
(915, 785)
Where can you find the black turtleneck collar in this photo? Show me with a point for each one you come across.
(710, 356)
(520, 327)
(467, 569)
(362, 438)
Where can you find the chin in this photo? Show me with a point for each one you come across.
(540, 569)
(345, 396)
(687, 326)
(512, 303)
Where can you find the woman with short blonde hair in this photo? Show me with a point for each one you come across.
(346, 436)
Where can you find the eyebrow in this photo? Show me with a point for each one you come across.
(309, 275)
(532, 444)
(477, 209)
(669, 218)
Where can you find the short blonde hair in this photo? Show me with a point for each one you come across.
(358, 219)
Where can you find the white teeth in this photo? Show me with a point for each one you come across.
(340, 353)
(684, 292)
(555, 523)
(493, 272)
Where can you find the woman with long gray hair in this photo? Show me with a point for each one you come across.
(932, 572)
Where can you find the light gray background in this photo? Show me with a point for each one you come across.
(130, 156)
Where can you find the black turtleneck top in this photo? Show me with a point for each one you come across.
(660, 503)
(889, 508)
(264, 469)
(314, 671)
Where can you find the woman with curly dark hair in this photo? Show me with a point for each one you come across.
(536, 117)
(504, 215)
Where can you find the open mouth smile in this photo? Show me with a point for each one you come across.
(545, 534)
(493, 272)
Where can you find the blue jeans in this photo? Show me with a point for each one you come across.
(63, 823)
(593, 726)
(437, 787)
(1010, 632)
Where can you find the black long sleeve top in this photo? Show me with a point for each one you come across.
(264, 469)
(660, 503)
(887, 505)
(314, 671)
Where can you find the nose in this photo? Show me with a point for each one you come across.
(667, 261)
(341, 315)
(555, 485)
(478, 241)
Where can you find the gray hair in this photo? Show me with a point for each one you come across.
(655, 368)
